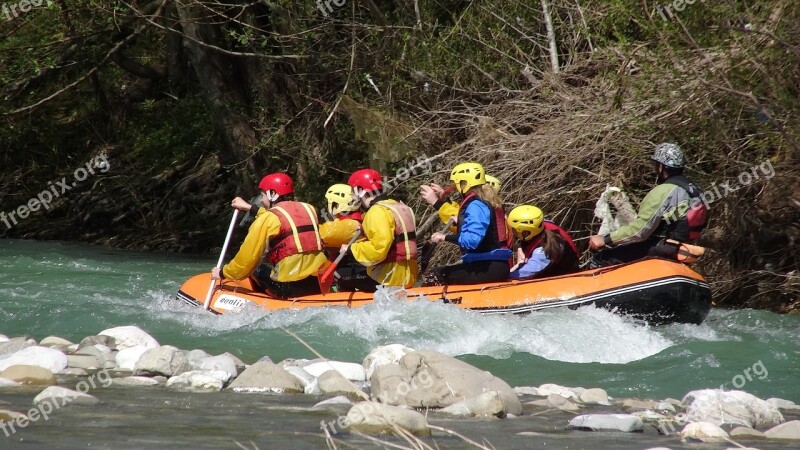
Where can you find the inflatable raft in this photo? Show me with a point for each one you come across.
(655, 290)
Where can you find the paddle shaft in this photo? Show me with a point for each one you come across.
(221, 257)
(425, 256)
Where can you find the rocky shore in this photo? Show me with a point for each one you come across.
(395, 391)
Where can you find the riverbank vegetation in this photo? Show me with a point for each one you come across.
(191, 102)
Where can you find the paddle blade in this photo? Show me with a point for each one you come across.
(325, 278)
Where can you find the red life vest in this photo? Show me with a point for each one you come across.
(533, 244)
(497, 235)
(404, 247)
(299, 231)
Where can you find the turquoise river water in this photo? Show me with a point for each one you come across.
(73, 290)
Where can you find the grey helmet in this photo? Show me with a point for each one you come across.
(669, 154)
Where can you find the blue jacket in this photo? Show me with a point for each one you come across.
(474, 221)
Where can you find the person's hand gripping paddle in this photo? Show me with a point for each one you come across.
(325, 277)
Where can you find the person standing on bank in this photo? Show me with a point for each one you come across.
(671, 211)
(288, 231)
(481, 232)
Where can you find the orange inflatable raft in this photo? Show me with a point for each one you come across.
(655, 290)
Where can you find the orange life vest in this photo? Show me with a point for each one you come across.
(404, 247)
(299, 231)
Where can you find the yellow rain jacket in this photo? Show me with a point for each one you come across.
(292, 268)
(338, 232)
(379, 228)
(446, 211)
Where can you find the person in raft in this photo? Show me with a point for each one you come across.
(671, 211)
(289, 232)
(481, 232)
(545, 249)
(435, 196)
(343, 208)
(390, 249)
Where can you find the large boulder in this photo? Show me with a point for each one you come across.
(607, 422)
(730, 407)
(48, 358)
(29, 375)
(351, 371)
(128, 357)
(265, 376)
(377, 418)
(429, 379)
(61, 397)
(165, 360)
(387, 354)
(130, 336)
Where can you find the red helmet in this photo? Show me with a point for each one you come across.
(367, 179)
(281, 183)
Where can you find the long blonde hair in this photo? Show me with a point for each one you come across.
(486, 193)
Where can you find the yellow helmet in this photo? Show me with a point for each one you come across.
(472, 174)
(340, 199)
(494, 183)
(526, 218)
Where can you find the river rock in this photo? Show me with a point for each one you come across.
(746, 433)
(784, 404)
(351, 371)
(486, 404)
(730, 407)
(240, 365)
(134, 381)
(526, 390)
(266, 377)
(431, 379)
(628, 404)
(61, 397)
(5, 382)
(130, 336)
(332, 382)
(25, 374)
(128, 357)
(52, 360)
(606, 422)
(386, 354)
(594, 396)
(3, 338)
(9, 347)
(377, 418)
(6, 415)
(200, 380)
(89, 341)
(561, 402)
(165, 360)
(310, 382)
(340, 403)
(50, 341)
(82, 361)
(665, 407)
(703, 432)
(549, 388)
(789, 431)
(222, 362)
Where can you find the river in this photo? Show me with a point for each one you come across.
(72, 290)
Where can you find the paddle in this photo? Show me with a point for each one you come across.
(427, 250)
(221, 257)
(325, 277)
